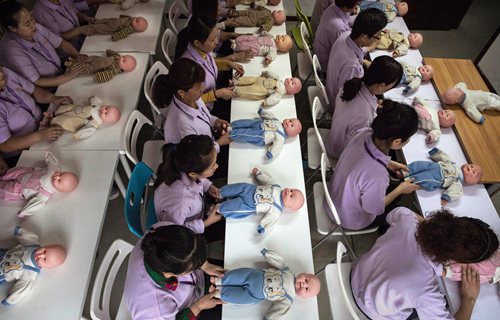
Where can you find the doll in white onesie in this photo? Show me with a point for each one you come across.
(431, 121)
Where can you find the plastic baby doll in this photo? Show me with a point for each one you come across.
(126, 4)
(390, 9)
(84, 121)
(263, 45)
(267, 87)
(488, 270)
(104, 69)
(118, 28)
(36, 185)
(276, 284)
(268, 198)
(23, 263)
(431, 120)
(394, 40)
(473, 101)
(256, 2)
(257, 16)
(444, 174)
(413, 76)
(265, 131)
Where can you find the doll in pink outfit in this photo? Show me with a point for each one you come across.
(263, 45)
(36, 185)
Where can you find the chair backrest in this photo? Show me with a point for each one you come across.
(317, 80)
(103, 285)
(318, 111)
(156, 69)
(324, 167)
(168, 42)
(306, 40)
(139, 182)
(134, 125)
(174, 12)
(345, 284)
(302, 17)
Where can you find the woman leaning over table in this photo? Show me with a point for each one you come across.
(29, 48)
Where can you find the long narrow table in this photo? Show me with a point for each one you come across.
(146, 41)
(290, 236)
(73, 220)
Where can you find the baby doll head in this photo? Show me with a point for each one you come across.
(64, 181)
(139, 24)
(307, 285)
(127, 63)
(472, 173)
(447, 118)
(292, 127)
(293, 199)
(415, 39)
(402, 8)
(427, 72)
(453, 96)
(273, 2)
(283, 43)
(109, 114)
(293, 85)
(50, 256)
(279, 17)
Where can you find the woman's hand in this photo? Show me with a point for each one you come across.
(213, 270)
(214, 192)
(208, 301)
(224, 139)
(469, 290)
(74, 70)
(50, 133)
(221, 126)
(397, 168)
(86, 30)
(407, 187)
(238, 68)
(213, 217)
(60, 100)
(243, 56)
(225, 93)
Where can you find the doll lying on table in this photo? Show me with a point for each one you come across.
(84, 121)
(267, 87)
(473, 101)
(413, 76)
(395, 41)
(244, 199)
(488, 270)
(106, 68)
(263, 45)
(23, 263)
(390, 9)
(118, 28)
(444, 174)
(266, 131)
(431, 121)
(257, 16)
(276, 284)
(126, 4)
(233, 3)
(36, 185)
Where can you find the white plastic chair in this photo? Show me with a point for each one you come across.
(337, 280)
(324, 225)
(318, 90)
(304, 59)
(316, 137)
(156, 69)
(168, 42)
(103, 285)
(176, 9)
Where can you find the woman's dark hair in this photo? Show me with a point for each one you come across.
(198, 28)
(205, 7)
(395, 121)
(445, 237)
(9, 13)
(349, 4)
(174, 249)
(191, 154)
(369, 22)
(183, 75)
(383, 69)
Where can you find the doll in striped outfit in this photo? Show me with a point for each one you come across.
(118, 28)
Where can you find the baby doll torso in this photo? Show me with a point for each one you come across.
(92, 64)
(488, 270)
(18, 262)
(112, 25)
(72, 118)
(479, 99)
(258, 45)
(254, 17)
(257, 87)
(388, 8)
(410, 73)
(21, 183)
(428, 120)
(263, 131)
(393, 40)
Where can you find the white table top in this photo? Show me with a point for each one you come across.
(123, 91)
(152, 11)
(290, 236)
(73, 220)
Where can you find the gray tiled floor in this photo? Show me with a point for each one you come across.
(465, 42)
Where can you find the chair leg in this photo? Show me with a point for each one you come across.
(120, 185)
(126, 166)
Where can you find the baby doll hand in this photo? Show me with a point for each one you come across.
(444, 202)
(406, 89)
(268, 60)
(213, 270)
(430, 138)
(255, 171)
(395, 54)
(238, 69)
(214, 192)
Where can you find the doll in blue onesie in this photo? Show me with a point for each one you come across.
(266, 131)
(390, 9)
(244, 199)
(277, 284)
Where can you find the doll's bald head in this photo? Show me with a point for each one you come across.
(279, 17)
(139, 24)
(64, 181)
(51, 256)
(109, 114)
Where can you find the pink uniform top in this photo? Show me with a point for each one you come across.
(182, 202)
(394, 277)
(19, 181)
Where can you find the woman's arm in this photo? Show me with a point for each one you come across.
(469, 290)
(68, 49)
(71, 73)
(26, 141)
(405, 187)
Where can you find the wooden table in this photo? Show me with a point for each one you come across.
(480, 142)
(73, 220)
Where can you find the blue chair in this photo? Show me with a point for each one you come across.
(136, 192)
